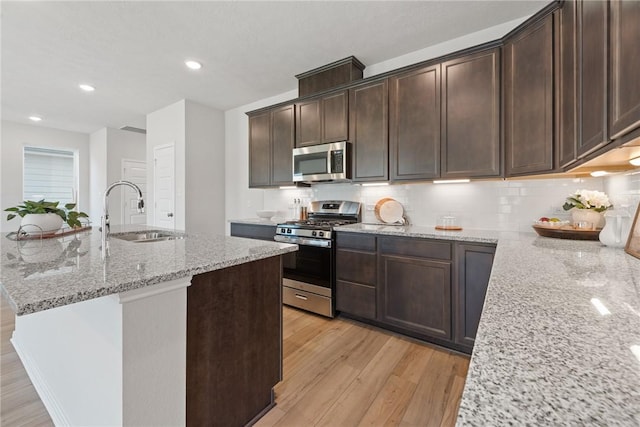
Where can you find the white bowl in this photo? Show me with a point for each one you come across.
(265, 214)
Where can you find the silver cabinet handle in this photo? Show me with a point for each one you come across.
(170, 214)
(302, 297)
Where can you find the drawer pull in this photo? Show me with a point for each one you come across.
(302, 297)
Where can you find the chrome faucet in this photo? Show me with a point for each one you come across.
(104, 221)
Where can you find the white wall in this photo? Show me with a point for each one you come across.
(166, 126)
(121, 144)
(205, 169)
(97, 172)
(198, 134)
(108, 148)
(14, 137)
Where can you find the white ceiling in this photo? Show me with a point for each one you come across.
(133, 51)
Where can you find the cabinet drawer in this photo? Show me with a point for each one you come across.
(356, 299)
(361, 242)
(357, 267)
(421, 248)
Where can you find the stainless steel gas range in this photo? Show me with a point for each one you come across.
(309, 274)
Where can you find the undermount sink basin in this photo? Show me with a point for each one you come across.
(148, 236)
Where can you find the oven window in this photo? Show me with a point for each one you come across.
(310, 164)
(309, 264)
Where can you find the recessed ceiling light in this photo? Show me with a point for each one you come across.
(596, 174)
(635, 162)
(194, 65)
(86, 87)
(35, 118)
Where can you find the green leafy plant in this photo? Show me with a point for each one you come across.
(68, 215)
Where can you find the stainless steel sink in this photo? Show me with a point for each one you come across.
(148, 236)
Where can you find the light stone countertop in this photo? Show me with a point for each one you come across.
(544, 354)
(477, 236)
(37, 275)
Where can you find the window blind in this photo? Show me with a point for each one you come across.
(49, 174)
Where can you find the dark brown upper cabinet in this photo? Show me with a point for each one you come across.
(323, 120)
(567, 85)
(368, 130)
(271, 139)
(529, 99)
(471, 116)
(592, 58)
(260, 149)
(624, 69)
(414, 124)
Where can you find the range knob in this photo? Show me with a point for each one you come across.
(288, 231)
(321, 234)
(283, 230)
(313, 233)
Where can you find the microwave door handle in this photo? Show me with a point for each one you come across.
(330, 161)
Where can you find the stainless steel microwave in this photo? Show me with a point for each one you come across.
(324, 162)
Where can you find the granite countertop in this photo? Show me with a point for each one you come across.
(37, 275)
(478, 236)
(544, 354)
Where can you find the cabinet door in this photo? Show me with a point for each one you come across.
(414, 124)
(593, 48)
(335, 117)
(471, 116)
(415, 295)
(308, 125)
(259, 150)
(528, 80)
(567, 85)
(473, 265)
(282, 141)
(624, 88)
(368, 122)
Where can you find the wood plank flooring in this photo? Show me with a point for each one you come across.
(344, 373)
(337, 373)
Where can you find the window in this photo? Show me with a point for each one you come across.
(49, 174)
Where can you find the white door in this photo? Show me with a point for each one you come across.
(164, 185)
(136, 172)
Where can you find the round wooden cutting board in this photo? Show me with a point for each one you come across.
(389, 211)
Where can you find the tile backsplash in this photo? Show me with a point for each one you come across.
(501, 205)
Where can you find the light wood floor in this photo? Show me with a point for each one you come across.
(337, 373)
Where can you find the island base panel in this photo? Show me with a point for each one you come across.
(234, 336)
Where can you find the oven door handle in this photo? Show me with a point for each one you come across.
(303, 241)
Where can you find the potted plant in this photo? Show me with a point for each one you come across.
(587, 206)
(45, 217)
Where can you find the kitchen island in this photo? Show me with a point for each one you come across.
(559, 336)
(160, 333)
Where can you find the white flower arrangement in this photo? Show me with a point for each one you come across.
(588, 199)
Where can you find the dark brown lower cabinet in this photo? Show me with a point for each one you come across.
(356, 274)
(415, 294)
(473, 269)
(253, 231)
(425, 288)
(234, 343)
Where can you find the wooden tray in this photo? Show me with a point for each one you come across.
(567, 233)
(59, 233)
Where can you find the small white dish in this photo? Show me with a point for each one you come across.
(265, 214)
